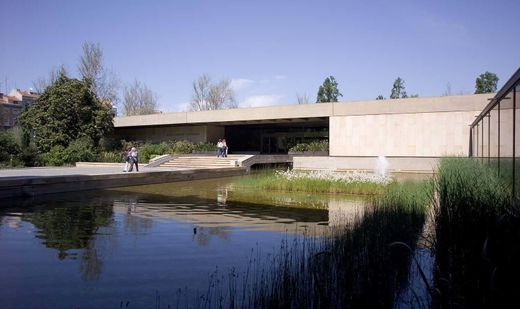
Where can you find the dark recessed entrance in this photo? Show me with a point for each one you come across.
(274, 138)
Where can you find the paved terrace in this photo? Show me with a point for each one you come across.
(29, 182)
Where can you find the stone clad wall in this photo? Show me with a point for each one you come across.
(422, 127)
(424, 134)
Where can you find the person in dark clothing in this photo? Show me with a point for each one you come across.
(134, 159)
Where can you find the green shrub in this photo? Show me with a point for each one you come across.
(312, 146)
(318, 146)
(182, 147)
(30, 156)
(148, 151)
(55, 156)
(9, 148)
(110, 144)
(299, 147)
(204, 147)
(110, 156)
(79, 150)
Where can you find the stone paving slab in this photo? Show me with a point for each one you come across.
(44, 180)
(64, 171)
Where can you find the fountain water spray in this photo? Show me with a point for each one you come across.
(381, 166)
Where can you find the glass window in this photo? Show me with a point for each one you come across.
(506, 138)
(493, 136)
(516, 96)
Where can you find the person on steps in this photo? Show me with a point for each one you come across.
(224, 148)
(220, 145)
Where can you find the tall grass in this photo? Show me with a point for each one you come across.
(354, 268)
(477, 231)
(476, 245)
(271, 181)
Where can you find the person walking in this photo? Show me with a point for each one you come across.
(220, 145)
(134, 159)
(224, 148)
(126, 158)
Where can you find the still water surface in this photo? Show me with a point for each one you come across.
(150, 244)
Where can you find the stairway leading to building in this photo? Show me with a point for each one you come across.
(204, 161)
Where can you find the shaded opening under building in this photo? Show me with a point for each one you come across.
(256, 137)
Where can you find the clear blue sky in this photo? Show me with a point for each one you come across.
(272, 50)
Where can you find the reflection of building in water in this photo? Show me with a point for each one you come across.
(13, 220)
(222, 195)
(132, 221)
(216, 221)
(341, 213)
(204, 234)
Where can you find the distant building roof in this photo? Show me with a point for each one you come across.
(6, 99)
(28, 94)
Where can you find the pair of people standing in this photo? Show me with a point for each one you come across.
(131, 158)
(222, 149)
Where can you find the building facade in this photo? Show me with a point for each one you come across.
(411, 132)
(13, 104)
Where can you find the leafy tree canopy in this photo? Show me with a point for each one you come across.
(398, 89)
(66, 111)
(486, 83)
(328, 92)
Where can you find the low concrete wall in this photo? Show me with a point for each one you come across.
(13, 187)
(395, 164)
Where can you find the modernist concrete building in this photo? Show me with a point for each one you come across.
(411, 133)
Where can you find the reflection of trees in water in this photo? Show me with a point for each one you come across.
(69, 228)
(203, 234)
(91, 263)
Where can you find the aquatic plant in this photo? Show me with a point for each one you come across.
(353, 267)
(318, 181)
(477, 227)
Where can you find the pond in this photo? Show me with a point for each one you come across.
(150, 245)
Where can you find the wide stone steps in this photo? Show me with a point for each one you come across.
(202, 162)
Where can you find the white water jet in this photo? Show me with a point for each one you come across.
(381, 166)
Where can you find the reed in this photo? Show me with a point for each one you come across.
(477, 230)
(354, 267)
(475, 243)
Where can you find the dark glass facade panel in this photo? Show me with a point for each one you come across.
(495, 134)
(516, 168)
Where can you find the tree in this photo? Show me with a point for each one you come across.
(398, 90)
(486, 83)
(67, 110)
(208, 96)
(328, 92)
(221, 96)
(200, 93)
(102, 82)
(303, 99)
(380, 97)
(43, 82)
(139, 100)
